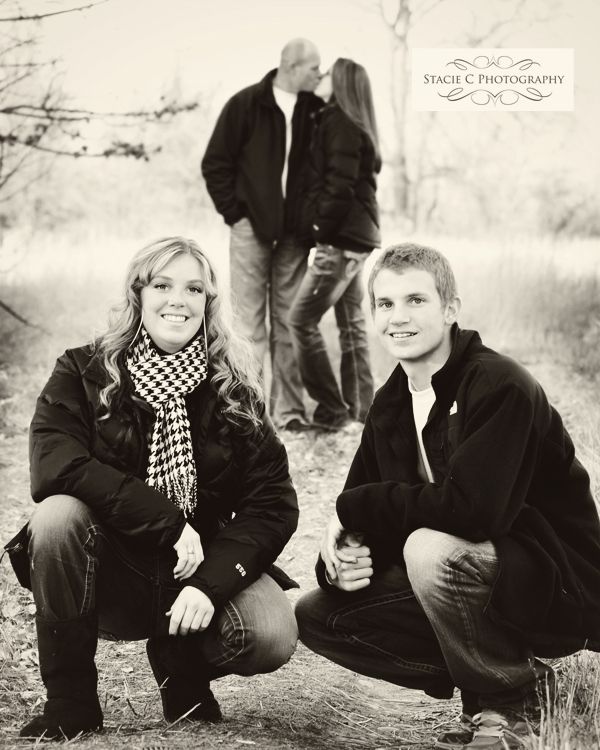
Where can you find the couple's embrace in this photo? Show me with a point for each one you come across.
(465, 543)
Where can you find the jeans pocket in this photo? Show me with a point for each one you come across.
(353, 263)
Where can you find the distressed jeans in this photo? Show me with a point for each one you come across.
(267, 278)
(425, 626)
(79, 567)
(333, 280)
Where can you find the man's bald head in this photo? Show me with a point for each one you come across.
(297, 50)
(299, 66)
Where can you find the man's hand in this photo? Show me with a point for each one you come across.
(352, 576)
(191, 611)
(189, 553)
(338, 546)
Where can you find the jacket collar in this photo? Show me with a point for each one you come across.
(266, 96)
(445, 381)
(265, 86)
(392, 398)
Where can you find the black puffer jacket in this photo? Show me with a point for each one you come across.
(247, 508)
(245, 155)
(340, 205)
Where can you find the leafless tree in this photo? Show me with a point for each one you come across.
(37, 124)
(416, 166)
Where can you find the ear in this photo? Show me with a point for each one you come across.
(452, 310)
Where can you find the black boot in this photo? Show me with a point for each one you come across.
(67, 649)
(183, 678)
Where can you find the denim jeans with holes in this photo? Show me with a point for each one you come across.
(333, 280)
(425, 626)
(79, 565)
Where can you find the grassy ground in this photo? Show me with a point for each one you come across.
(529, 301)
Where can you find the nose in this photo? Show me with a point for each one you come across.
(175, 299)
(400, 315)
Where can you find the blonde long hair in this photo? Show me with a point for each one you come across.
(230, 360)
(351, 90)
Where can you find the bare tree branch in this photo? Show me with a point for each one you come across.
(78, 115)
(478, 40)
(20, 318)
(7, 197)
(35, 120)
(117, 148)
(420, 13)
(40, 16)
(17, 45)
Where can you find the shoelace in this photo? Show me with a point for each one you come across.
(489, 724)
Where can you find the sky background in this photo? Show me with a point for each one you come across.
(125, 53)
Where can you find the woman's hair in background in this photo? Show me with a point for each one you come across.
(230, 359)
(352, 91)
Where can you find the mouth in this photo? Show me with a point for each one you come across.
(403, 334)
(171, 318)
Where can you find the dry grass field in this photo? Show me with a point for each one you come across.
(535, 300)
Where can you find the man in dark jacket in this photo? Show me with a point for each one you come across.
(252, 168)
(466, 541)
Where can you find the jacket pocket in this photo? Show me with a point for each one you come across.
(19, 559)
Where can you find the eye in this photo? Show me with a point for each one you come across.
(196, 289)
(159, 285)
(384, 304)
(416, 300)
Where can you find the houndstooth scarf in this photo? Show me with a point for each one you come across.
(163, 381)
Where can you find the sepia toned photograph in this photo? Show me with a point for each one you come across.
(299, 354)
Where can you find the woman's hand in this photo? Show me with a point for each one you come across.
(189, 553)
(191, 611)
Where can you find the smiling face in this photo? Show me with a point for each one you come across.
(412, 321)
(173, 303)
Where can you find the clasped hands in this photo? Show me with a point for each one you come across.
(192, 611)
(347, 560)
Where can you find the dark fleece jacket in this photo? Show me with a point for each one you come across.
(504, 470)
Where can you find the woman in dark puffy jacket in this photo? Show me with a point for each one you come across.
(341, 218)
(164, 498)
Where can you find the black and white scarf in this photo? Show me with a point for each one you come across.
(163, 381)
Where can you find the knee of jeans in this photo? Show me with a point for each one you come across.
(427, 554)
(304, 612)
(269, 648)
(312, 612)
(58, 520)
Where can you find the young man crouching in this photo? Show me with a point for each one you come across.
(466, 542)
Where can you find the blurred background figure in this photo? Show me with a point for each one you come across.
(252, 166)
(341, 217)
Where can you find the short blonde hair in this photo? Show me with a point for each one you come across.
(410, 255)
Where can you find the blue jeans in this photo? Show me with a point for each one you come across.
(334, 279)
(425, 627)
(79, 567)
(263, 276)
